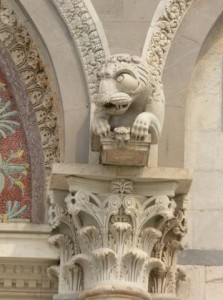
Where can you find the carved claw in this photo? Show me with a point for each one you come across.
(143, 123)
(100, 127)
(140, 127)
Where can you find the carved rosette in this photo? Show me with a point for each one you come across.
(16, 39)
(108, 239)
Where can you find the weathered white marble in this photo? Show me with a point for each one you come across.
(115, 225)
(25, 256)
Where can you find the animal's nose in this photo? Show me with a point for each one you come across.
(119, 98)
(107, 86)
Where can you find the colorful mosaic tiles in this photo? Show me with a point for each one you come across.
(15, 176)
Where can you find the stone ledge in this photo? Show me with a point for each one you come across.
(60, 172)
(26, 241)
(25, 228)
(201, 257)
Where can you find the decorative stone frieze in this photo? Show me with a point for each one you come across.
(167, 249)
(165, 24)
(16, 39)
(25, 258)
(117, 233)
(28, 277)
(88, 36)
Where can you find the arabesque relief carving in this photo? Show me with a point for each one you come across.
(167, 249)
(90, 42)
(161, 35)
(17, 40)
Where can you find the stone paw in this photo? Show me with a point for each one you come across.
(100, 127)
(141, 125)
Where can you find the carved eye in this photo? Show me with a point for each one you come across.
(126, 82)
(120, 78)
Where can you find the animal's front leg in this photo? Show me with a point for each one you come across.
(144, 123)
(100, 124)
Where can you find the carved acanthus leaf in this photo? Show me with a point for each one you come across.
(112, 233)
(166, 249)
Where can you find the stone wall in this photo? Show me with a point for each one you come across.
(126, 23)
(203, 152)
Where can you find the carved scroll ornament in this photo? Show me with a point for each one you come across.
(23, 51)
(108, 239)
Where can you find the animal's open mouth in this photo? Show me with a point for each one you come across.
(117, 103)
(117, 106)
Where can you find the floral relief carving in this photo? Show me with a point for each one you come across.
(17, 40)
(122, 186)
(167, 249)
(112, 237)
(87, 38)
(161, 35)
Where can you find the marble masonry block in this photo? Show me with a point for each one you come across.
(176, 76)
(25, 256)
(196, 31)
(18, 239)
(66, 297)
(165, 297)
(171, 146)
(214, 283)
(170, 177)
(204, 150)
(207, 190)
(193, 288)
(135, 153)
(112, 10)
(204, 7)
(143, 10)
(181, 47)
(206, 235)
(120, 37)
(76, 124)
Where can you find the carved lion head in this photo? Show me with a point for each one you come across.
(122, 79)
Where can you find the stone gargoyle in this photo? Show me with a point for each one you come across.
(128, 96)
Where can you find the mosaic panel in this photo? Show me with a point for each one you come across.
(15, 168)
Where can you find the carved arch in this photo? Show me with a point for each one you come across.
(181, 60)
(88, 36)
(33, 139)
(27, 77)
(25, 55)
